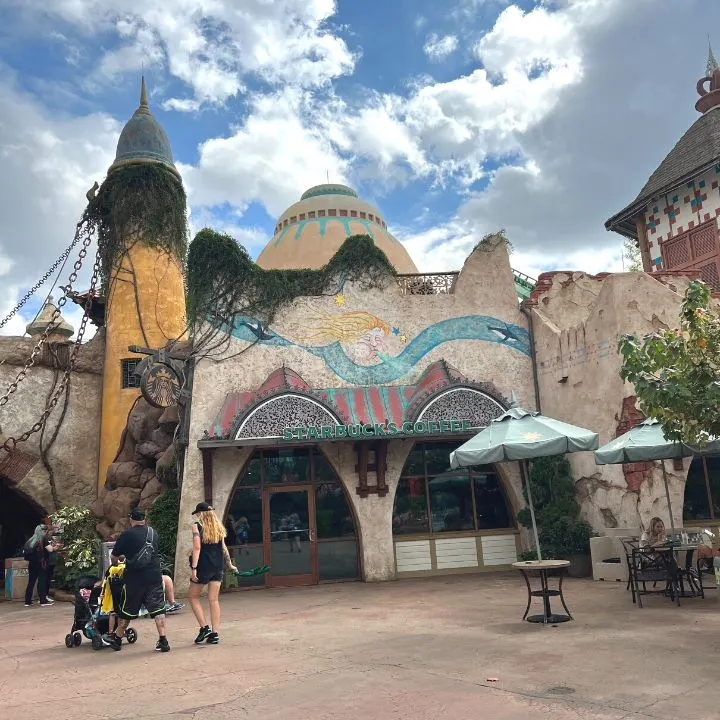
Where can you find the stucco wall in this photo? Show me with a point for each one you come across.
(578, 320)
(74, 455)
(484, 295)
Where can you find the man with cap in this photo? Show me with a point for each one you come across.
(143, 583)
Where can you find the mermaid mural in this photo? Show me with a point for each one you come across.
(361, 333)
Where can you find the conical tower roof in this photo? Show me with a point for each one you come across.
(143, 139)
(61, 329)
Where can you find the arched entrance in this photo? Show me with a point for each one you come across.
(289, 510)
(18, 518)
(702, 490)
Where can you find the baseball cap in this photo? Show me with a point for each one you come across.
(136, 514)
(202, 507)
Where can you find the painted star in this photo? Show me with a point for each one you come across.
(403, 338)
(532, 436)
(396, 331)
(340, 299)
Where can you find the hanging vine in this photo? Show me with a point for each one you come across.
(142, 201)
(223, 283)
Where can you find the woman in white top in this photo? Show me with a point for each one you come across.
(655, 535)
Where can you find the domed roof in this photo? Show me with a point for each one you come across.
(143, 140)
(312, 230)
(61, 329)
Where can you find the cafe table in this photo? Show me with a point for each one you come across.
(542, 569)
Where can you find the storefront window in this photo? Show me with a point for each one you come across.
(702, 490)
(459, 500)
(286, 466)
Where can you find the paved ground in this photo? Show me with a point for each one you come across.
(426, 650)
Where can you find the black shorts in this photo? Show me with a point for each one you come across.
(139, 592)
(210, 577)
(116, 589)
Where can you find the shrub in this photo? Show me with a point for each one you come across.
(163, 517)
(80, 546)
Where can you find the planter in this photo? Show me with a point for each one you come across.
(580, 566)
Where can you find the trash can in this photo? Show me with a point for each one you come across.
(16, 578)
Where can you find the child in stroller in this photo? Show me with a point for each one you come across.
(94, 610)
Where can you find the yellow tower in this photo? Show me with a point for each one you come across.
(145, 295)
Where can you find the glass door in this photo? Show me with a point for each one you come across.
(290, 536)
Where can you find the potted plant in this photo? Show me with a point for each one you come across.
(562, 533)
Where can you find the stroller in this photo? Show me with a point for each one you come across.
(88, 620)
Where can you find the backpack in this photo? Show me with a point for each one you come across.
(145, 556)
(29, 549)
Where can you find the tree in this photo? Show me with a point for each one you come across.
(676, 373)
(632, 259)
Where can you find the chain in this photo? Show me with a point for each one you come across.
(9, 445)
(43, 279)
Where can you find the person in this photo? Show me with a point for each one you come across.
(242, 533)
(142, 580)
(51, 560)
(655, 535)
(169, 588)
(207, 562)
(37, 551)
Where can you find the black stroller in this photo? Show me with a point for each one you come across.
(88, 620)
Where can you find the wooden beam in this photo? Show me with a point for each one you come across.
(643, 242)
(207, 464)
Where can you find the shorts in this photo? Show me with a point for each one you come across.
(138, 593)
(116, 589)
(205, 579)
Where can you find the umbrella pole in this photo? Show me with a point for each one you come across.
(526, 479)
(667, 495)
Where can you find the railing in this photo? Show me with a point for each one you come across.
(443, 283)
(427, 283)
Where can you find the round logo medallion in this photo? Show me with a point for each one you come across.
(160, 386)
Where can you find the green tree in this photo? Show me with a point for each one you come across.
(676, 373)
(163, 515)
(557, 513)
(80, 552)
(632, 259)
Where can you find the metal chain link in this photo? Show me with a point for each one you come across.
(65, 255)
(10, 443)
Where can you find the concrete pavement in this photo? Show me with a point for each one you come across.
(421, 649)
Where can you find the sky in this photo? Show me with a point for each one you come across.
(456, 119)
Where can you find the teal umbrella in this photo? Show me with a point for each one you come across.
(523, 435)
(646, 442)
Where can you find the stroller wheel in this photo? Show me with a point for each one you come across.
(77, 638)
(97, 642)
(131, 635)
(69, 640)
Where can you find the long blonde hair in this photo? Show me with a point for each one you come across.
(653, 536)
(213, 531)
(347, 327)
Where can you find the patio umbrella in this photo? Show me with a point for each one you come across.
(523, 435)
(647, 442)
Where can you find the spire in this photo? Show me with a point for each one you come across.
(708, 88)
(144, 100)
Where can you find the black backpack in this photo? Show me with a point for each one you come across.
(29, 549)
(145, 556)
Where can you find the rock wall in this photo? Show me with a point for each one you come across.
(578, 320)
(70, 439)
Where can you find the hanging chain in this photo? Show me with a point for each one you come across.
(65, 255)
(9, 445)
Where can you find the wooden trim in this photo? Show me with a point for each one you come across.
(207, 464)
(643, 242)
(460, 534)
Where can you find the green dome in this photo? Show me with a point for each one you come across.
(329, 189)
(143, 140)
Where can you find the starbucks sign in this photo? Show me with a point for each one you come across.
(377, 430)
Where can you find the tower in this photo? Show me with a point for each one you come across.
(144, 288)
(674, 218)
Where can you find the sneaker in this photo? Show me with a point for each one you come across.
(213, 639)
(28, 604)
(174, 607)
(113, 641)
(47, 603)
(203, 635)
(162, 645)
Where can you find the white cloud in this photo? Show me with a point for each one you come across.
(438, 48)
(210, 46)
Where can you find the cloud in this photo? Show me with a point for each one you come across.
(48, 162)
(438, 48)
(211, 47)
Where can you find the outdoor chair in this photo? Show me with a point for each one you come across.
(648, 565)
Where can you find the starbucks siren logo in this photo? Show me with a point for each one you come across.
(160, 386)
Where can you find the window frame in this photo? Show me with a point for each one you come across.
(127, 371)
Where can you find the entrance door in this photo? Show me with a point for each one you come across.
(290, 536)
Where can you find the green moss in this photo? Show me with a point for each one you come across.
(224, 282)
(143, 201)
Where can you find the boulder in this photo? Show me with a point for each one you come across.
(150, 493)
(162, 439)
(118, 503)
(146, 476)
(104, 529)
(143, 419)
(170, 419)
(124, 475)
(148, 450)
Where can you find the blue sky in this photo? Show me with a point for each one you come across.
(454, 118)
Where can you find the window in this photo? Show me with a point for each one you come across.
(302, 216)
(702, 490)
(321, 213)
(332, 213)
(432, 498)
(129, 379)
(311, 214)
(343, 213)
(363, 215)
(353, 213)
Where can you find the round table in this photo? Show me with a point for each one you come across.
(542, 568)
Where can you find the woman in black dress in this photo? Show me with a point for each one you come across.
(209, 559)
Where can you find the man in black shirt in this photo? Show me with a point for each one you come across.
(143, 584)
